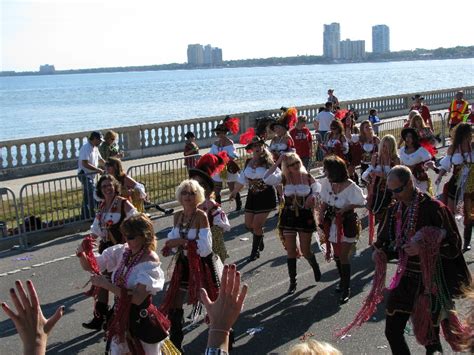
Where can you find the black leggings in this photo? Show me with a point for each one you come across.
(394, 330)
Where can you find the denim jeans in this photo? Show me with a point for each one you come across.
(88, 202)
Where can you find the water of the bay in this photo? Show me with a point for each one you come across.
(45, 105)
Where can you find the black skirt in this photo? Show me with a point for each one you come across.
(303, 221)
(261, 201)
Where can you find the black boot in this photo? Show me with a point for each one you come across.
(256, 240)
(261, 246)
(238, 202)
(100, 314)
(218, 198)
(314, 265)
(467, 237)
(291, 262)
(345, 283)
(338, 264)
(176, 330)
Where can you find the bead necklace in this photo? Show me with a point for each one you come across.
(129, 261)
(102, 215)
(184, 227)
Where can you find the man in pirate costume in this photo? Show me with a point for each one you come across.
(422, 233)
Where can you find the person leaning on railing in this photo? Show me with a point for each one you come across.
(109, 147)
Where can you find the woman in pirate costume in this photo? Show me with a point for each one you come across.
(335, 141)
(413, 155)
(208, 165)
(460, 186)
(282, 141)
(261, 197)
(340, 224)
(113, 210)
(300, 191)
(225, 144)
(194, 268)
(379, 197)
(136, 277)
(129, 188)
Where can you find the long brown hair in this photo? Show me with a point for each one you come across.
(115, 163)
(140, 225)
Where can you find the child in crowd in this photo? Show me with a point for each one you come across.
(374, 119)
(190, 148)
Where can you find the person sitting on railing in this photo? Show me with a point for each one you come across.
(109, 147)
(113, 210)
(87, 169)
(190, 148)
(422, 109)
(414, 156)
(460, 186)
(225, 144)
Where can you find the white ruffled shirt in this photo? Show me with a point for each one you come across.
(331, 143)
(148, 273)
(204, 239)
(456, 159)
(259, 173)
(229, 149)
(379, 168)
(418, 156)
(113, 217)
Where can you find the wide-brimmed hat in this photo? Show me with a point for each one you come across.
(413, 132)
(287, 120)
(208, 165)
(230, 124)
(253, 141)
(417, 97)
(189, 135)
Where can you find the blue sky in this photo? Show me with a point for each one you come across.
(101, 33)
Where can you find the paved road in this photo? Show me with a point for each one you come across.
(312, 310)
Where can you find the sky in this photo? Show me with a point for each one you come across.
(72, 34)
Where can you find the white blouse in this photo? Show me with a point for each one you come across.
(302, 189)
(379, 168)
(259, 173)
(148, 273)
(331, 143)
(112, 217)
(204, 239)
(351, 195)
(418, 156)
(229, 149)
(278, 147)
(456, 159)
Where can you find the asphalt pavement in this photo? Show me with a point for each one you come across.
(270, 323)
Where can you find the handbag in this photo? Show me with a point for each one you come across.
(147, 323)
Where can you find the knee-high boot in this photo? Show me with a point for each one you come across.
(256, 240)
(467, 237)
(238, 202)
(338, 265)
(100, 315)
(315, 266)
(291, 262)
(176, 330)
(345, 283)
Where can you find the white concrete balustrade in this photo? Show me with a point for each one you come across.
(30, 156)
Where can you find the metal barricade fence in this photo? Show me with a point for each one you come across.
(51, 203)
(10, 214)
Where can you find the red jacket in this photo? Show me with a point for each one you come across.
(303, 141)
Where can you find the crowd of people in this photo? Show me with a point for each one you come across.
(390, 179)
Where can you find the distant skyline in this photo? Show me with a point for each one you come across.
(75, 34)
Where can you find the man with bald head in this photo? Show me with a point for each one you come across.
(399, 237)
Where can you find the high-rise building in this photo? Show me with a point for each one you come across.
(195, 54)
(380, 39)
(352, 50)
(216, 56)
(331, 39)
(208, 54)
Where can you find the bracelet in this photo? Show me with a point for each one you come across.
(227, 332)
(215, 351)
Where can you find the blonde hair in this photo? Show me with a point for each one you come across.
(191, 185)
(362, 132)
(313, 347)
(292, 158)
(392, 146)
(110, 134)
(411, 114)
(418, 118)
(140, 225)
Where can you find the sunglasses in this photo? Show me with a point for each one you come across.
(398, 189)
(131, 237)
(188, 193)
(294, 164)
